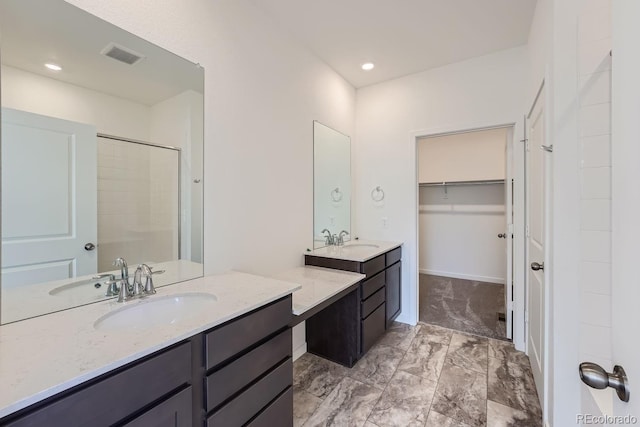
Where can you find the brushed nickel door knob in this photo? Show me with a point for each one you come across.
(596, 377)
(537, 266)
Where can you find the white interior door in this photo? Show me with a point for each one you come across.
(508, 208)
(48, 198)
(625, 145)
(537, 206)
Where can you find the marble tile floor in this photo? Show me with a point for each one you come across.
(422, 375)
(464, 305)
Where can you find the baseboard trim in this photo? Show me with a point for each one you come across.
(299, 351)
(498, 280)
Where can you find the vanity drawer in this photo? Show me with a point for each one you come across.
(373, 266)
(393, 256)
(278, 413)
(372, 328)
(370, 286)
(237, 335)
(176, 411)
(373, 302)
(114, 398)
(254, 399)
(226, 382)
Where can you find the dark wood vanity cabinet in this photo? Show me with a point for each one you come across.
(236, 374)
(249, 370)
(346, 330)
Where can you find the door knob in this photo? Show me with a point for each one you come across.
(595, 376)
(89, 246)
(502, 236)
(537, 266)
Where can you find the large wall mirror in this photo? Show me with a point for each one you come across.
(102, 157)
(331, 184)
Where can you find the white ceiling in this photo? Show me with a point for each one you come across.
(401, 36)
(36, 31)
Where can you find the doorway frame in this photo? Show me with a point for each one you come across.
(515, 128)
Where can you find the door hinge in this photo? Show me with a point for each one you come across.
(510, 228)
(527, 231)
(510, 306)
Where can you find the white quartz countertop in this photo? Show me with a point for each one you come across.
(317, 285)
(45, 355)
(355, 250)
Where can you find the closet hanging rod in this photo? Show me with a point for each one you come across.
(451, 183)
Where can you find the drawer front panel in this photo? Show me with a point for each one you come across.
(114, 398)
(336, 264)
(278, 413)
(373, 328)
(237, 335)
(223, 384)
(370, 286)
(393, 256)
(373, 302)
(373, 266)
(176, 411)
(254, 399)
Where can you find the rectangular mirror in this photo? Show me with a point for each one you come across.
(331, 184)
(102, 157)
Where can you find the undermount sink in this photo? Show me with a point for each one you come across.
(361, 245)
(155, 311)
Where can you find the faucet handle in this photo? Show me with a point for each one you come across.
(149, 289)
(125, 293)
(137, 282)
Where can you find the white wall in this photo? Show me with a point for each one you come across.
(458, 232)
(480, 92)
(262, 93)
(41, 95)
(177, 122)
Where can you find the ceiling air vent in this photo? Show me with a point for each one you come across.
(122, 54)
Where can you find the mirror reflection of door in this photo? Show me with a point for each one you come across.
(48, 200)
(155, 97)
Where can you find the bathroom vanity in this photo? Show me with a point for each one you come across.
(347, 328)
(227, 364)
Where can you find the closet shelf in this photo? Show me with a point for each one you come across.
(452, 183)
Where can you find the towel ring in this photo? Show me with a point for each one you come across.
(377, 194)
(336, 194)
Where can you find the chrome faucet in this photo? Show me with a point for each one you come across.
(124, 269)
(149, 289)
(138, 287)
(340, 240)
(329, 239)
(111, 282)
(125, 291)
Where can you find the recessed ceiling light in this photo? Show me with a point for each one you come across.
(53, 67)
(368, 66)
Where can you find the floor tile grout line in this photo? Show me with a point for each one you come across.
(438, 381)
(387, 384)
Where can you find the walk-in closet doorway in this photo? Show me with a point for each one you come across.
(465, 230)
